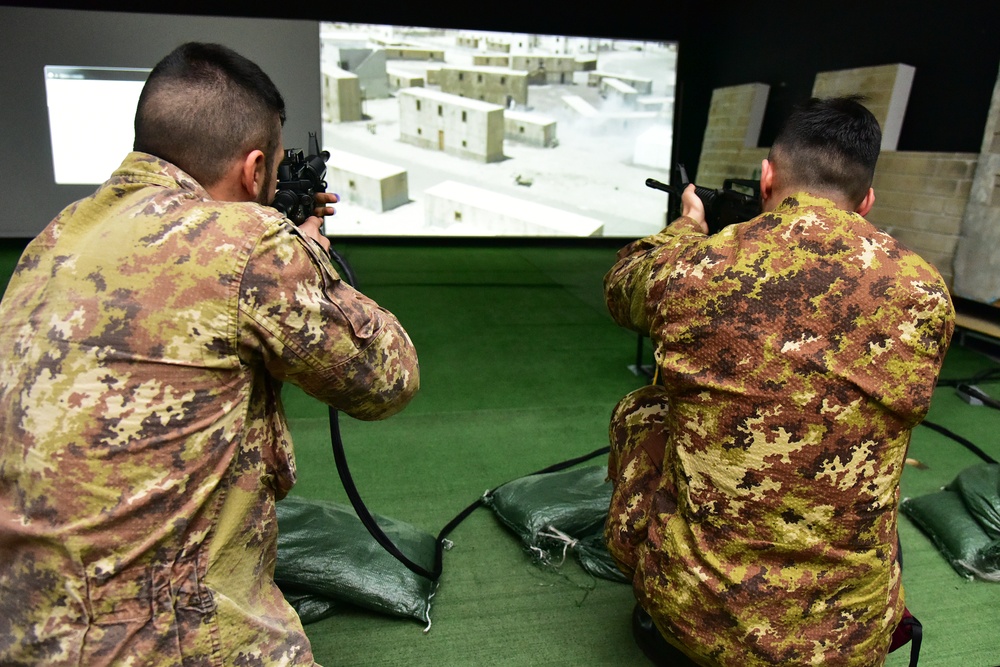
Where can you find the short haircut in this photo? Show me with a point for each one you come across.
(203, 106)
(829, 144)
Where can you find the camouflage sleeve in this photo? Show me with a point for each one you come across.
(627, 285)
(314, 330)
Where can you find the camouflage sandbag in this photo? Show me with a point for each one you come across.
(555, 513)
(325, 551)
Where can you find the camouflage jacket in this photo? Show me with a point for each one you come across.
(797, 351)
(142, 439)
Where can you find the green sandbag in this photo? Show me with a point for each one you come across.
(592, 552)
(325, 550)
(309, 606)
(555, 512)
(944, 518)
(979, 487)
(986, 564)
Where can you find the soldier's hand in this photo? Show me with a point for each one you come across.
(693, 207)
(313, 228)
(313, 225)
(324, 201)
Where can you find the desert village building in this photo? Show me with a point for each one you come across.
(641, 85)
(618, 92)
(341, 95)
(370, 183)
(545, 69)
(499, 85)
(490, 60)
(450, 123)
(449, 204)
(369, 65)
(396, 52)
(530, 128)
(399, 78)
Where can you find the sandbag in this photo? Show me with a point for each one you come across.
(979, 487)
(986, 564)
(309, 606)
(963, 520)
(324, 550)
(554, 513)
(943, 518)
(594, 557)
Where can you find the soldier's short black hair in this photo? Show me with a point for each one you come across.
(205, 105)
(830, 144)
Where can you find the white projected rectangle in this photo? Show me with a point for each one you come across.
(91, 112)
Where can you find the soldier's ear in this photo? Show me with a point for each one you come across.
(766, 179)
(866, 203)
(252, 176)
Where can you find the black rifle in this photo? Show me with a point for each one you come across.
(299, 179)
(722, 207)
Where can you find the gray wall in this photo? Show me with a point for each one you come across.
(288, 50)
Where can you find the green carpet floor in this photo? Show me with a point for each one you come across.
(520, 368)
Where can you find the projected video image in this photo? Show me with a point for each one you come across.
(91, 110)
(468, 133)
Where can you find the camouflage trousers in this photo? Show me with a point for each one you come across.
(638, 454)
(635, 468)
(637, 458)
(641, 468)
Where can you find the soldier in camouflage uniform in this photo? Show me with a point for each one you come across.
(756, 484)
(146, 333)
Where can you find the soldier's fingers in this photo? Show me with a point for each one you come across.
(323, 203)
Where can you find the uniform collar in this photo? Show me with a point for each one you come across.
(145, 168)
(803, 198)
